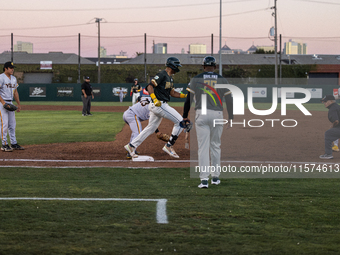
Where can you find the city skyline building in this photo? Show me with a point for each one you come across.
(160, 48)
(197, 48)
(23, 47)
(102, 51)
(294, 46)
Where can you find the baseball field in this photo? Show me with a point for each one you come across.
(72, 190)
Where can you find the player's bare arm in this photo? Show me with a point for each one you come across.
(150, 89)
(16, 98)
(174, 93)
(83, 90)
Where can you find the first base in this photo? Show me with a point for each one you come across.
(143, 158)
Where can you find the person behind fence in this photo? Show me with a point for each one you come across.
(202, 87)
(86, 95)
(333, 133)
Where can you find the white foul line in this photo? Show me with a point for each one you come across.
(162, 161)
(161, 215)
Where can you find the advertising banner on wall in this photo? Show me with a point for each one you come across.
(64, 91)
(45, 65)
(37, 92)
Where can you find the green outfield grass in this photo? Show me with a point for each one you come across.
(41, 127)
(240, 216)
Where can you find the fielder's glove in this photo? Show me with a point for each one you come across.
(186, 124)
(163, 137)
(10, 107)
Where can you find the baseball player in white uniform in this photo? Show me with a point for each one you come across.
(160, 88)
(8, 91)
(121, 93)
(208, 134)
(135, 115)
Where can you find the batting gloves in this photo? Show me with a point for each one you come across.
(155, 100)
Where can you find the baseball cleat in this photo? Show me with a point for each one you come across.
(326, 156)
(335, 148)
(170, 150)
(215, 181)
(130, 150)
(128, 156)
(6, 148)
(17, 147)
(203, 184)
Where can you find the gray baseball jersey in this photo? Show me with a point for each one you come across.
(8, 123)
(7, 87)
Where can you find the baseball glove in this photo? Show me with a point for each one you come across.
(10, 107)
(163, 137)
(186, 124)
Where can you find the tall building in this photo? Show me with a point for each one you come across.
(102, 52)
(160, 48)
(295, 47)
(23, 47)
(197, 48)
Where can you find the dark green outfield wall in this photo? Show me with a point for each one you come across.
(72, 92)
(106, 92)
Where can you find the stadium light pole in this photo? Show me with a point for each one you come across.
(79, 80)
(275, 48)
(220, 54)
(11, 47)
(98, 21)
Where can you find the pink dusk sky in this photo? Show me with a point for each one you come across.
(54, 25)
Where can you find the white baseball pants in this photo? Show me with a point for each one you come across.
(209, 142)
(156, 116)
(134, 97)
(8, 124)
(134, 123)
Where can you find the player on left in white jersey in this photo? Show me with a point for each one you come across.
(8, 91)
(135, 115)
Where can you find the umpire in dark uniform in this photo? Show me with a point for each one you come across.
(333, 133)
(86, 94)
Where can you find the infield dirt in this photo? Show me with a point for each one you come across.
(303, 143)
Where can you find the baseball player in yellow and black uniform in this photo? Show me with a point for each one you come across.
(208, 134)
(135, 90)
(160, 89)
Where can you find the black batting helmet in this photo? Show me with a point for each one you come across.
(173, 63)
(209, 61)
